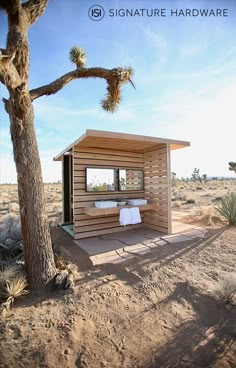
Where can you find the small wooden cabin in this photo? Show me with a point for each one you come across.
(103, 166)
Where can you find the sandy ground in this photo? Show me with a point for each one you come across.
(9, 200)
(155, 310)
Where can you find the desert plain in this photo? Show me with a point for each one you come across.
(167, 308)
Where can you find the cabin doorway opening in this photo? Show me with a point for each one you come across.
(68, 189)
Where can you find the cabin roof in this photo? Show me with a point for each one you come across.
(120, 141)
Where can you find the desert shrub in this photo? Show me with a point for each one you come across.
(13, 285)
(209, 215)
(9, 272)
(226, 288)
(10, 228)
(199, 188)
(227, 208)
(15, 288)
(190, 200)
(218, 198)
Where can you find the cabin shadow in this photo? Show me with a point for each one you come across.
(133, 270)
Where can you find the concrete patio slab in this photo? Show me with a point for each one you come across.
(108, 257)
(176, 238)
(96, 245)
(129, 237)
(195, 233)
(148, 233)
(159, 243)
(121, 246)
(125, 255)
(137, 249)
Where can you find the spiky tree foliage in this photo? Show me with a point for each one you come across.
(232, 166)
(14, 74)
(227, 207)
(78, 56)
(112, 100)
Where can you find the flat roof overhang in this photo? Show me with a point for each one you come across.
(120, 142)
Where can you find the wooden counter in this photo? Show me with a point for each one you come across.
(94, 211)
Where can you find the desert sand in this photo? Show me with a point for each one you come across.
(162, 309)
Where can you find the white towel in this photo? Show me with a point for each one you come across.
(135, 215)
(125, 216)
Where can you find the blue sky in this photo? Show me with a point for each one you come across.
(185, 76)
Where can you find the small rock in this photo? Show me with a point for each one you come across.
(60, 279)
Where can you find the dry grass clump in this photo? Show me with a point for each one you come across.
(13, 284)
(199, 188)
(190, 200)
(226, 289)
(15, 288)
(209, 216)
(9, 272)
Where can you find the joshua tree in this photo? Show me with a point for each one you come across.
(232, 166)
(14, 74)
(173, 179)
(196, 176)
(204, 178)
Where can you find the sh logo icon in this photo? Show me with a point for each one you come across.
(96, 12)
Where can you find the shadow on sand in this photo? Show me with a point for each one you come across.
(201, 342)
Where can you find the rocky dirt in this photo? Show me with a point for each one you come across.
(161, 309)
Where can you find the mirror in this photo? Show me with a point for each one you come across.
(130, 180)
(100, 180)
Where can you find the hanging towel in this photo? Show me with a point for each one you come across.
(135, 215)
(125, 216)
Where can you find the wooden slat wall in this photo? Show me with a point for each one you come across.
(157, 188)
(84, 225)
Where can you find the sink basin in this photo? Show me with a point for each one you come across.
(137, 202)
(105, 204)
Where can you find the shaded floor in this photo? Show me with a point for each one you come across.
(120, 246)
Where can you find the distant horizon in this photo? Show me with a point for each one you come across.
(209, 178)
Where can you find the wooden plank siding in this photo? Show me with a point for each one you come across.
(157, 184)
(156, 168)
(85, 225)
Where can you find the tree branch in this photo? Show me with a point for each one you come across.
(61, 82)
(34, 9)
(10, 6)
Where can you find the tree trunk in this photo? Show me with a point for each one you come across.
(39, 260)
